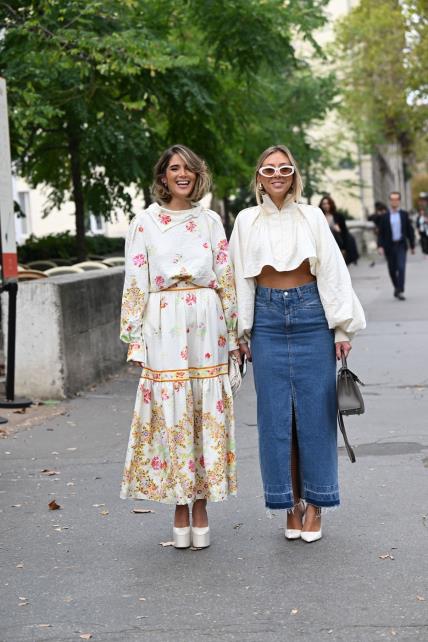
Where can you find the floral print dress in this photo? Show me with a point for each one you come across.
(179, 318)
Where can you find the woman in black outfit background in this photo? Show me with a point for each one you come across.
(339, 229)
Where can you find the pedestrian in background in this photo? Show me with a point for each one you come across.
(395, 234)
(179, 319)
(379, 211)
(339, 229)
(297, 314)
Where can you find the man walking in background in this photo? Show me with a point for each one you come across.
(395, 231)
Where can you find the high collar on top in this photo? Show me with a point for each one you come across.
(268, 206)
(165, 219)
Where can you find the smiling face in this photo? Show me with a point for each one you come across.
(180, 180)
(277, 187)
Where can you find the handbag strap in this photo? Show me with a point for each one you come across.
(348, 446)
(353, 375)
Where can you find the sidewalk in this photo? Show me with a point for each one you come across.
(95, 567)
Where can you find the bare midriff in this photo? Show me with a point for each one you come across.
(271, 278)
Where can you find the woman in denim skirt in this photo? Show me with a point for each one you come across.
(297, 314)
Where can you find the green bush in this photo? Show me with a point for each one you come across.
(63, 246)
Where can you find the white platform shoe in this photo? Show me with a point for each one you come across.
(181, 537)
(200, 537)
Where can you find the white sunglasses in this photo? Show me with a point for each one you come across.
(268, 171)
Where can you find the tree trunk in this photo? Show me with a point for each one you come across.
(147, 196)
(76, 179)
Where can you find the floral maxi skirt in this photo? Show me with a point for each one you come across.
(182, 443)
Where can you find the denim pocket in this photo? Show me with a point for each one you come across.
(312, 304)
(262, 303)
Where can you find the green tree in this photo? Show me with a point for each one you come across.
(75, 73)
(97, 89)
(381, 47)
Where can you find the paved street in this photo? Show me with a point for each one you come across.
(94, 567)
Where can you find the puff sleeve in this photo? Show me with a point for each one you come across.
(245, 287)
(342, 308)
(222, 267)
(135, 292)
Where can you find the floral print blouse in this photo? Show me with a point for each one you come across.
(164, 247)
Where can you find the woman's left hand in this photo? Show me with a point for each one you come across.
(237, 354)
(342, 347)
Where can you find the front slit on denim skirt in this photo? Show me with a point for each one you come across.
(295, 365)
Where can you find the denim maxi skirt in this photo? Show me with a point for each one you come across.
(295, 368)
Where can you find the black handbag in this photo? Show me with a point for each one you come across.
(349, 401)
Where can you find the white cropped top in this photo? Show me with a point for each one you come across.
(264, 235)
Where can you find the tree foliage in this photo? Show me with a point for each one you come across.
(98, 88)
(383, 49)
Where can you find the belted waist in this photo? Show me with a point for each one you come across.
(182, 286)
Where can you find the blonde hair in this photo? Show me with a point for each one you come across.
(296, 189)
(194, 163)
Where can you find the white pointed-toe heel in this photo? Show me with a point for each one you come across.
(200, 537)
(311, 536)
(294, 533)
(181, 537)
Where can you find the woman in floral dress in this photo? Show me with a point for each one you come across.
(179, 319)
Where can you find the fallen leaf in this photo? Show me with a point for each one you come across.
(387, 556)
(53, 505)
(71, 448)
(16, 505)
(141, 617)
(104, 512)
(294, 611)
(142, 599)
(48, 472)
(142, 510)
(166, 544)
(44, 626)
(86, 636)
(20, 565)
(238, 525)
(20, 411)
(97, 505)
(420, 598)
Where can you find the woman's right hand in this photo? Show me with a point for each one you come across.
(137, 363)
(244, 349)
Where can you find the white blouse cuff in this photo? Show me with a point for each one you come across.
(137, 352)
(341, 335)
